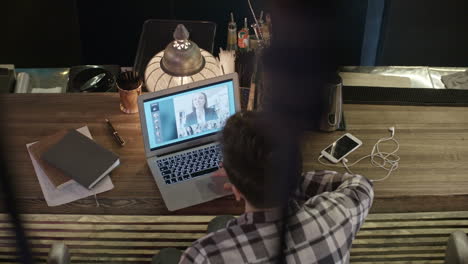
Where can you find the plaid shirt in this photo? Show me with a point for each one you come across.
(323, 220)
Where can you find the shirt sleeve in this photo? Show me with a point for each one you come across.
(193, 255)
(354, 192)
(316, 182)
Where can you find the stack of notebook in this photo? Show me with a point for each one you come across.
(69, 155)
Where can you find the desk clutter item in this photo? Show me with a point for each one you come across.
(248, 65)
(244, 97)
(56, 176)
(232, 34)
(244, 65)
(458, 80)
(23, 83)
(243, 38)
(71, 190)
(47, 90)
(115, 134)
(81, 158)
(93, 78)
(378, 80)
(227, 61)
(7, 80)
(42, 80)
(129, 85)
(331, 116)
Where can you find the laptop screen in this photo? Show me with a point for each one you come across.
(193, 113)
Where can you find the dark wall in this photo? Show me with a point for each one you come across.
(110, 30)
(425, 32)
(112, 36)
(124, 20)
(350, 24)
(39, 33)
(57, 33)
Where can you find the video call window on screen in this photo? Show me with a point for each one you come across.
(190, 114)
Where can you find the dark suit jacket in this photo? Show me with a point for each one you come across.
(210, 114)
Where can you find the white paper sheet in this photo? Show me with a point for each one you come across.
(69, 192)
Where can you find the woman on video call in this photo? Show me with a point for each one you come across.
(201, 113)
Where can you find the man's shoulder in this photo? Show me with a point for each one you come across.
(215, 238)
(213, 244)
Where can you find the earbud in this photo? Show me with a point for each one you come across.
(392, 129)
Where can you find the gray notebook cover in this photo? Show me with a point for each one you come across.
(81, 158)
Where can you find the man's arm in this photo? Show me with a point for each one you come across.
(353, 192)
(316, 182)
(193, 255)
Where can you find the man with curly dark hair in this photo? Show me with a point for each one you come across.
(316, 224)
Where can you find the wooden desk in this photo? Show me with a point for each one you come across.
(433, 173)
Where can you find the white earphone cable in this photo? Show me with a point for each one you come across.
(386, 160)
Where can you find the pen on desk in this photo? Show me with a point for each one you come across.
(115, 134)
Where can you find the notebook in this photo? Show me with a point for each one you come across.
(68, 192)
(81, 158)
(56, 176)
(180, 129)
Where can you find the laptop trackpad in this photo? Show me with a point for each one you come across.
(212, 187)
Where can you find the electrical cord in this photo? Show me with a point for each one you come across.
(386, 160)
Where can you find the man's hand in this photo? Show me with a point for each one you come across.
(222, 173)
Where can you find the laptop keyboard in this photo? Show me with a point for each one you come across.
(190, 164)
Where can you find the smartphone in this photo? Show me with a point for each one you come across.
(341, 148)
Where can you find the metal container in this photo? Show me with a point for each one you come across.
(333, 105)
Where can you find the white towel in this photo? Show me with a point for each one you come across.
(47, 90)
(227, 60)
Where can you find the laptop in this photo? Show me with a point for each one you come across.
(181, 142)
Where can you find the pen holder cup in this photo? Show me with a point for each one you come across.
(129, 93)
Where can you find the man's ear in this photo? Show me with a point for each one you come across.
(236, 193)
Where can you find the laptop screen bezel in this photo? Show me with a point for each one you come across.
(192, 142)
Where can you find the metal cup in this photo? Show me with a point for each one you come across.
(129, 85)
(128, 100)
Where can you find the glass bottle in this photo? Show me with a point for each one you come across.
(232, 34)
